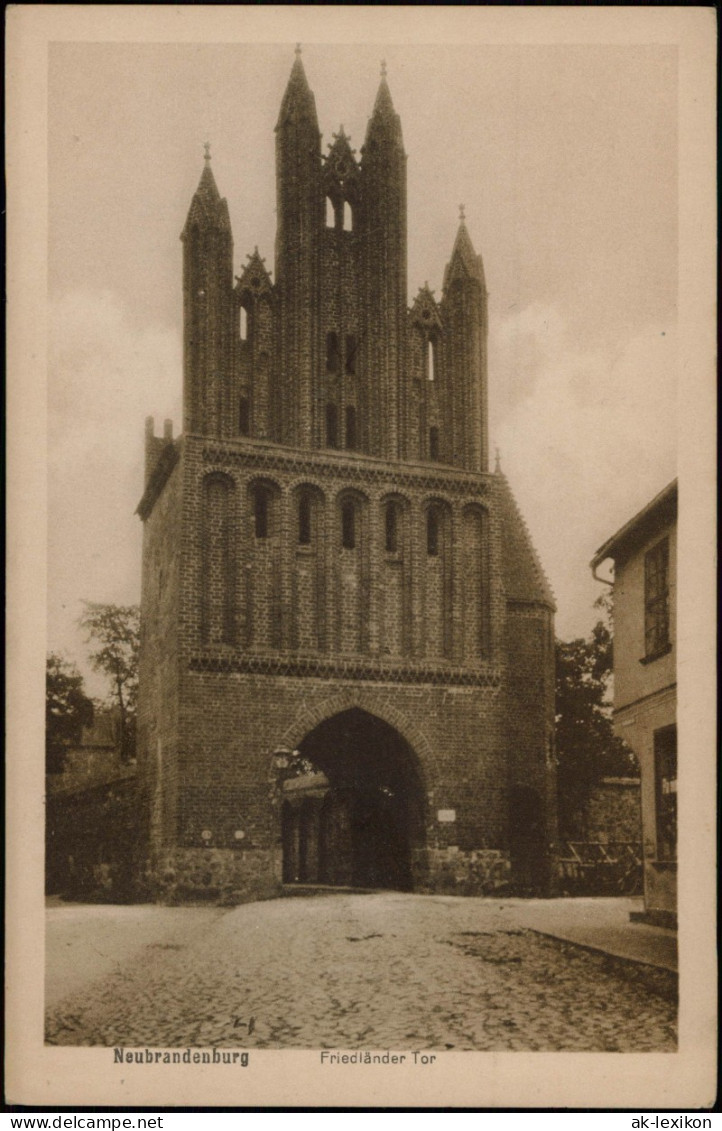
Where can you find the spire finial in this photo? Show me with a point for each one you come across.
(297, 52)
(207, 149)
(383, 68)
(497, 467)
(462, 212)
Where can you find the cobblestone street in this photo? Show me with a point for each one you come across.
(387, 970)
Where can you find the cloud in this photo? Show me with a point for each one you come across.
(586, 439)
(105, 376)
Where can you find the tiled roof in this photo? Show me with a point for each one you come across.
(524, 577)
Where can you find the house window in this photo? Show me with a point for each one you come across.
(243, 416)
(433, 443)
(392, 529)
(260, 512)
(656, 599)
(665, 775)
(351, 354)
(432, 532)
(333, 360)
(348, 526)
(304, 521)
(331, 426)
(350, 427)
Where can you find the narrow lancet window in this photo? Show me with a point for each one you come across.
(392, 529)
(332, 353)
(433, 442)
(431, 360)
(331, 426)
(351, 354)
(330, 213)
(244, 417)
(304, 521)
(350, 427)
(347, 217)
(348, 526)
(243, 323)
(260, 512)
(432, 533)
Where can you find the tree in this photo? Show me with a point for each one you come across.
(114, 631)
(587, 748)
(67, 710)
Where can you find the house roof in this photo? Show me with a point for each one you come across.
(660, 510)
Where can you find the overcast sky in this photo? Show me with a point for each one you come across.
(565, 160)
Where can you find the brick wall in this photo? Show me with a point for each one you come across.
(253, 636)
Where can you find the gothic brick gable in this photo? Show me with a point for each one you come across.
(330, 571)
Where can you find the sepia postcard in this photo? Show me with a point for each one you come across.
(362, 483)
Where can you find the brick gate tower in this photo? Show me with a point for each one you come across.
(347, 660)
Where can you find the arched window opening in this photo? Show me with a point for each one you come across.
(347, 217)
(330, 213)
(431, 359)
(432, 532)
(218, 562)
(333, 360)
(348, 525)
(304, 520)
(260, 512)
(244, 417)
(243, 323)
(331, 426)
(351, 354)
(433, 442)
(350, 427)
(392, 528)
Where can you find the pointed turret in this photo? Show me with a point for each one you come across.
(383, 174)
(298, 101)
(300, 221)
(207, 307)
(384, 122)
(208, 209)
(464, 259)
(465, 320)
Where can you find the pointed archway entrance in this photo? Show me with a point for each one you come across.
(353, 810)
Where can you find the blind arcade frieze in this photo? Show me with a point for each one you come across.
(380, 671)
(358, 471)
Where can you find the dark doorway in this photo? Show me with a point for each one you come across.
(289, 837)
(365, 825)
(527, 842)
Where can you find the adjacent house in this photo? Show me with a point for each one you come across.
(644, 553)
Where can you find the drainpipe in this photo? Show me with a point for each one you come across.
(604, 580)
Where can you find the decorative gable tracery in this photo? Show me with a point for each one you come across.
(425, 313)
(254, 280)
(340, 178)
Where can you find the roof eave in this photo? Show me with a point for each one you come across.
(665, 498)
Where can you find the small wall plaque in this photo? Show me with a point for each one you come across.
(446, 816)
